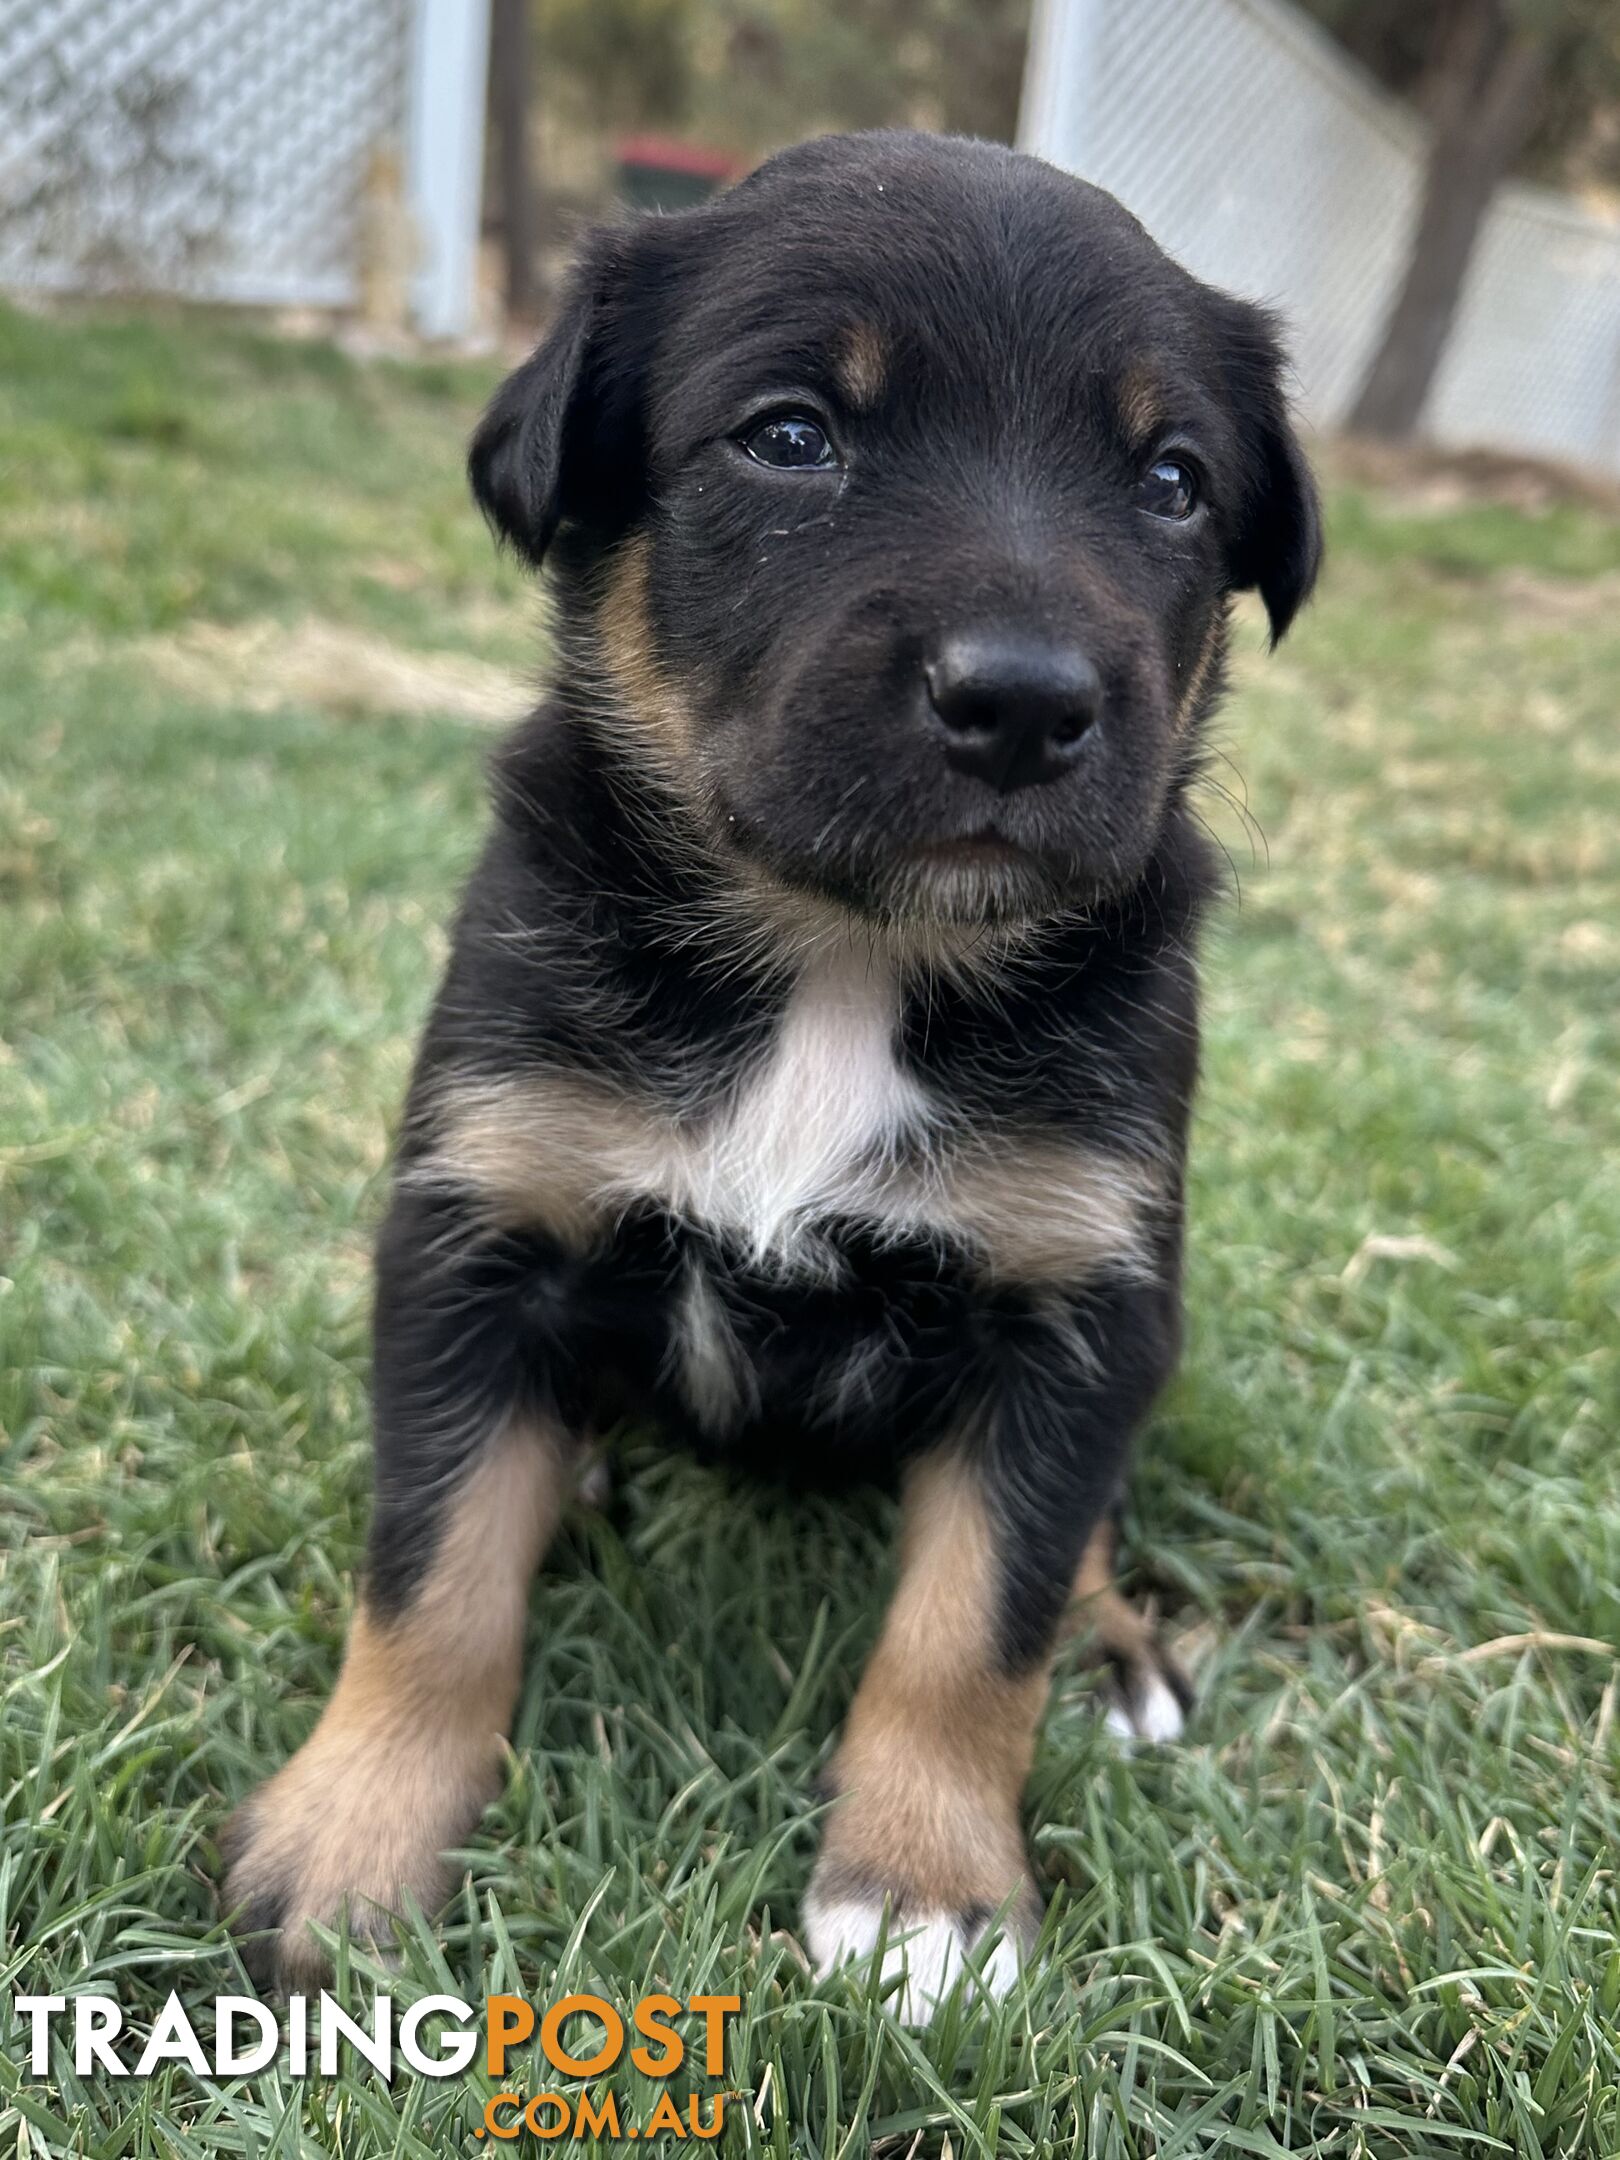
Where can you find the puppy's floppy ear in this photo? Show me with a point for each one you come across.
(540, 430)
(1277, 545)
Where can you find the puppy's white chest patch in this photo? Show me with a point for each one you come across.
(815, 1126)
(823, 1124)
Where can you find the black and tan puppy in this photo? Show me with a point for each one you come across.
(813, 1066)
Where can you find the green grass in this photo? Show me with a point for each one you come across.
(1369, 1908)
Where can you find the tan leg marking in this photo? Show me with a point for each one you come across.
(1148, 1696)
(408, 1751)
(933, 1761)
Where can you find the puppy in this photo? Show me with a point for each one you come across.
(812, 1070)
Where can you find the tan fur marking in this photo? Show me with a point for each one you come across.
(1146, 1695)
(1096, 1570)
(1099, 1610)
(547, 1153)
(1046, 1210)
(624, 625)
(938, 1741)
(1140, 403)
(1190, 690)
(863, 365)
(407, 1752)
(554, 1152)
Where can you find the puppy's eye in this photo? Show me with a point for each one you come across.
(1168, 489)
(792, 442)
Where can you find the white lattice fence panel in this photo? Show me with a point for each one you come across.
(1253, 151)
(216, 146)
(1534, 358)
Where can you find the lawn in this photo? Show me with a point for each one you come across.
(252, 638)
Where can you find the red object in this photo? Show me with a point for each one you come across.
(669, 154)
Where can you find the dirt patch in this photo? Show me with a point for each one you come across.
(1422, 476)
(332, 666)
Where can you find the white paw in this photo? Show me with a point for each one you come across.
(1144, 1709)
(927, 1952)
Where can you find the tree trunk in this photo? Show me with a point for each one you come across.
(1484, 108)
(509, 81)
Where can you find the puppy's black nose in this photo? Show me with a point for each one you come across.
(1011, 710)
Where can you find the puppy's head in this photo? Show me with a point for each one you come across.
(895, 500)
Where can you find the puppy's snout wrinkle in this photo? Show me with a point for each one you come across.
(1012, 709)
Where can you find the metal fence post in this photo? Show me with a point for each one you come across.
(445, 137)
(1062, 77)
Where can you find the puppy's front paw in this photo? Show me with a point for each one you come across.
(928, 1952)
(360, 1826)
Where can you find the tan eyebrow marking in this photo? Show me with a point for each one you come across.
(1140, 404)
(862, 364)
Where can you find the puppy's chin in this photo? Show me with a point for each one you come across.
(971, 883)
(956, 889)
(958, 886)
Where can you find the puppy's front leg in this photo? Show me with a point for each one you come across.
(925, 1837)
(939, 1738)
(469, 1482)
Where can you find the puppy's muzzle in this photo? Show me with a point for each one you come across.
(1013, 710)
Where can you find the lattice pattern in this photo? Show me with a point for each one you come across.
(1262, 159)
(215, 146)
